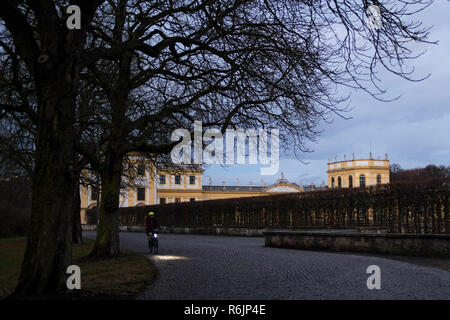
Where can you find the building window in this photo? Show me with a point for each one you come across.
(339, 182)
(177, 200)
(191, 199)
(378, 179)
(350, 181)
(162, 200)
(362, 181)
(177, 179)
(141, 170)
(162, 179)
(191, 179)
(141, 194)
(332, 182)
(94, 194)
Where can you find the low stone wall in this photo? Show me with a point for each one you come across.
(372, 230)
(221, 231)
(424, 245)
(244, 232)
(93, 227)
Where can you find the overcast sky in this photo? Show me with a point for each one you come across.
(413, 130)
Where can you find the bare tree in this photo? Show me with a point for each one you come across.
(235, 63)
(52, 55)
(230, 64)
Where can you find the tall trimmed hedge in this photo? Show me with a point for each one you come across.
(399, 208)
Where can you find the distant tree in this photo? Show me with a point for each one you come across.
(419, 174)
(434, 171)
(15, 206)
(395, 168)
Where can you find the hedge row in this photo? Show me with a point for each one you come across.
(399, 208)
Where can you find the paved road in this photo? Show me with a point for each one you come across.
(214, 267)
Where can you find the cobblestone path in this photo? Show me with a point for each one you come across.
(215, 267)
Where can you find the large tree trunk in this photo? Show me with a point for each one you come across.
(52, 54)
(49, 248)
(107, 242)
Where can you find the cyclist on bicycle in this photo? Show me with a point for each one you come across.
(151, 223)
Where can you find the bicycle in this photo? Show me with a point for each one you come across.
(153, 242)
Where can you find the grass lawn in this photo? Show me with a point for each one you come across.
(117, 278)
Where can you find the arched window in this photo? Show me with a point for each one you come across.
(362, 181)
(350, 181)
(332, 182)
(339, 182)
(378, 179)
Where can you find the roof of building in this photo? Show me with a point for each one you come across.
(330, 161)
(234, 188)
(262, 188)
(180, 167)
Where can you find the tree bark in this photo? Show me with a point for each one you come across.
(107, 242)
(49, 249)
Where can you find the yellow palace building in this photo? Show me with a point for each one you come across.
(358, 172)
(151, 186)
